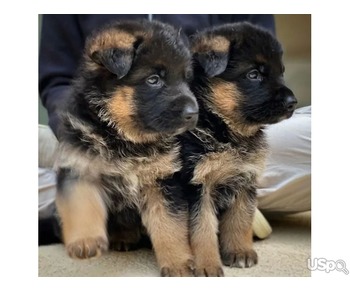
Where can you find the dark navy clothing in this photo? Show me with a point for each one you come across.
(63, 38)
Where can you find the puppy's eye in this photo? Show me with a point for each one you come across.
(154, 80)
(254, 75)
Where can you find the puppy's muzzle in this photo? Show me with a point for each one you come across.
(183, 108)
(190, 113)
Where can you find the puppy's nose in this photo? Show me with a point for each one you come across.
(290, 103)
(190, 112)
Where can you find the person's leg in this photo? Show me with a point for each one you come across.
(47, 192)
(49, 231)
(286, 183)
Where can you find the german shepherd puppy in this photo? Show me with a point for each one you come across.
(130, 98)
(238, 82)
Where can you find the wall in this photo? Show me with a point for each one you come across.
(294, 32)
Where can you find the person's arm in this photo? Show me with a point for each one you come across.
(61, 45)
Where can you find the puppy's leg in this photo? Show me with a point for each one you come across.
(204, 239)
(168, 232)
(83, 215)
(236, 232)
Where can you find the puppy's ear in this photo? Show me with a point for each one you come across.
(211, 51)
(117, 61)
(213, 63)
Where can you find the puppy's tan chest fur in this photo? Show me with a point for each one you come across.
(157, 167)
(123, 179)
(216, 168)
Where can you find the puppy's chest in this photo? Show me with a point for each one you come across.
(224, 162)
(132, 176)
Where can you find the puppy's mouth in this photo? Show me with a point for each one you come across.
(184, 129)
(175, 118)
(280, 118)
(189, 124)
(272, 111)
(289, 106)
(289, 114)
(173, 127)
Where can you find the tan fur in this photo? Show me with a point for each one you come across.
(169, 234)
(137, 172)
(84, 215)
(122, 111)
(158, 167)
(83, 207)
(91, 66)
(204, 241)
(214, 168)
(224, 100)
(235, 226)
(217, 167)
(205, 44)
(98, 143)
(86, 163)
(112, 38)
(236, 233)
(226, 97)
(149, 169)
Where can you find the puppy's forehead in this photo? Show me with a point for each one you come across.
(272, 61)
(162, 54)
(165, 50)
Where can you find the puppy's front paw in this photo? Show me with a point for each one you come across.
(87, 247)
(179, 270)
(240, 259)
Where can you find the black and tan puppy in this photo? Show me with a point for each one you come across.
(240, 89)
(117, 149)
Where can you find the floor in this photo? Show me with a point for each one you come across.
(283, 253)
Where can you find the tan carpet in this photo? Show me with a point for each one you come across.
(284, 253)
